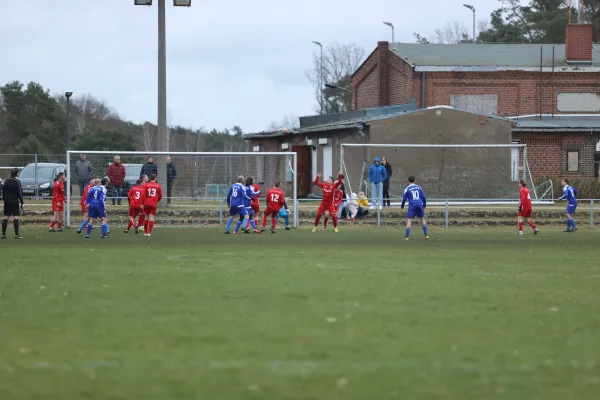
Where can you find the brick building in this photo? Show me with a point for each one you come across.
(493, 79)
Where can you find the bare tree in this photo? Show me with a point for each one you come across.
(86, 109)
(148, 132)
(452, 33)
(340, 61)
(289, 121)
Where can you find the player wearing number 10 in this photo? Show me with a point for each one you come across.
(153, 196)
(416, 206)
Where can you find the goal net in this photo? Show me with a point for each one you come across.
(195, 186)
(447, 173)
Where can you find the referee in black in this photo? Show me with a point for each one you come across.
(12, 196)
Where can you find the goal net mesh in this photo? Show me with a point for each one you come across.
(445, 173)
(199, 177)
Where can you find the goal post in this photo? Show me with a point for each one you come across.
(202, 178)
(454, 173)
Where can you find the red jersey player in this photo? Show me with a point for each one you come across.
(338, 197)
(58, 202)
(275, 200)
(255, 203)
(525, 208)
(136, 197)
(84, 208)
(327, 205)
(153, 196)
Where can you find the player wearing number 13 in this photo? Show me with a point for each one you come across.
(153, 196)
(416, 206)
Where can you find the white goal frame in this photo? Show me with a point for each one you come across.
(408, 146)
(293, 168)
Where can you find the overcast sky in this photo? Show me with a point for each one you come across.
(228, 62)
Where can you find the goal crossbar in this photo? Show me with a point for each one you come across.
(293, 168)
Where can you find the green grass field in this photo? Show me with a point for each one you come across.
(194, 314)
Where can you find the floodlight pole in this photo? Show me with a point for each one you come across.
(472, 8)
(162, 144)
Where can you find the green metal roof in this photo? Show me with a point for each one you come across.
(490, 57)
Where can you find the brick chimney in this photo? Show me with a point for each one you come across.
(578, 43)
(383, 69)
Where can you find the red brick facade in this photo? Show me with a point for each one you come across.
(579, 42)
(519, 92)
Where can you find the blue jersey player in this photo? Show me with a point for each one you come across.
(96, 201)
(248, 196)
(569, 194)
(235, 202)
(416, 206)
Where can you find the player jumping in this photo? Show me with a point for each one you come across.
(275, 200)
(153, 196)
(136, 197)
(327, 201)
(235, 202)
(569, 194)
(96, 205)
(416, 206)
(84, 209)
(58, 202)
(525, 209)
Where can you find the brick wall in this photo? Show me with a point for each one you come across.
(519, 92)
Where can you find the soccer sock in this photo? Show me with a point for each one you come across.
(520, 226)
(573, 225)
(317, 220)
(89, 229)
(228, 225)
(532, 224)
(245, 222)
(407, 232)
(335, 220)
(83, 224)
(16, 226)
(325, 221)
(151, 226)
(60, 225)
(141, 220)
(129, 225)
(237, 226)
(103, 229)
(568, 223)
(146, 222)
(264, 221)
(287, 221)
(52, 223)
(425, 230)
(273, 223)
(253, 224)
(4, 226)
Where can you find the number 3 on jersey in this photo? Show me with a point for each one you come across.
(275, 198)
(151, 192)
(137, 195)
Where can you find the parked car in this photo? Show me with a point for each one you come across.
(46, 176)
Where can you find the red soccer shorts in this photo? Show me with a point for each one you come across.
(256, 209)
(134, 211)
(58, 206)
(271, 211)
(84, 209)
(149, 210)
(327, 207)
(525, 213)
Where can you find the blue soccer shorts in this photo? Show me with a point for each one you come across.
(571, 209)
(416, 211)
(96, 212)
(237, 210)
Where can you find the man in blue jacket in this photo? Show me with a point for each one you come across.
(377, 174)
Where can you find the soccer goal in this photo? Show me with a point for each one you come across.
(456, 173)
(195, 185)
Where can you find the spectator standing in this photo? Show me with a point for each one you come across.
(116, 174)
(149, 168)
(171, 175)
(83, 173)
(13, 195)
(377, 174)
(386, 182)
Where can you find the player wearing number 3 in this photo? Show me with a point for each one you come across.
(136, 197)
(416, 206)
(153, 196)
(525, 208)
(275, 200)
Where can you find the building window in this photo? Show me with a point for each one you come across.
(572, 161)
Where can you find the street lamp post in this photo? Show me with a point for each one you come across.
(68, 96)
(322, 99)
(391, 26)
(352, 94)
(472, 8)
(162, 82)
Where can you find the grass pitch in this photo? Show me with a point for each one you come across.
(194, 314)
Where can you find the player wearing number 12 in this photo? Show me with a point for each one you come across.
(275, 200)
(525, 208)
(153, 196)
(136, 197)
(416, 206)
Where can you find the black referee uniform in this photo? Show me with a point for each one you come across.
(13, 195)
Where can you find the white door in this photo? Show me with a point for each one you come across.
(514, 163)
(314, 160)
(327, 162)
